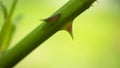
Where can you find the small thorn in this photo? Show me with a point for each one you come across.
(68, 28)
(53, 18)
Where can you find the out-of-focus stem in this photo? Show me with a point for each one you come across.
(7, 29)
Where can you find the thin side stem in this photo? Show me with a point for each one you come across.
(13, 8)
(7, 29)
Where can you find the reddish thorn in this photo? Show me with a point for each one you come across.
(53, 18)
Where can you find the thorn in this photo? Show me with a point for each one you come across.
(53, 18)
(68, 28)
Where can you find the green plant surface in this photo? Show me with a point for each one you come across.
(7, 28)
(95, 32)
(44, 31)
(93, 46)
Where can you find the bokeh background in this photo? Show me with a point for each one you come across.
(96, 33)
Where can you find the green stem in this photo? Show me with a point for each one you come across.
(13, 8)
(68, 12)
(4, 9)
(7, 29)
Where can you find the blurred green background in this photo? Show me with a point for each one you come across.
(96, 36)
